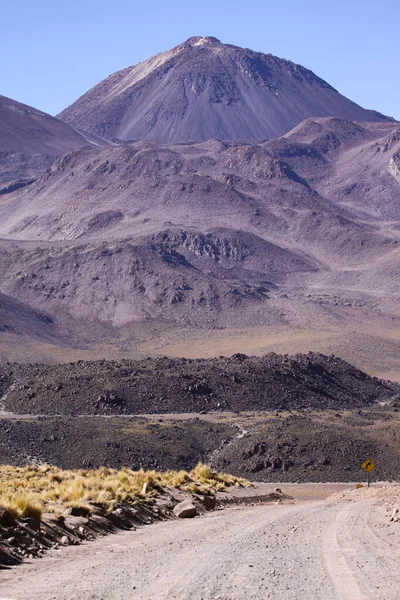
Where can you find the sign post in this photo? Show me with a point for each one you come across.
(368, 465)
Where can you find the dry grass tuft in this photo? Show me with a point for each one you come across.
(29, 491)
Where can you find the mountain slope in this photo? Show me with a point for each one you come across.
(204, 89)
(281, 191)
(30, 140)
(211, 248)
(16, 317)
(25, 332)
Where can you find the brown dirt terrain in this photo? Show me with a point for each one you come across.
(74, 443)
(315, 446)
(372, 346)
(312, 446)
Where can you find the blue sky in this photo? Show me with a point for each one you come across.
(52, 52)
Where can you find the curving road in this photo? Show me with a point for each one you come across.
(310, 550)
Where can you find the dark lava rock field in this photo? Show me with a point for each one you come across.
(178, 385)
(271, 418)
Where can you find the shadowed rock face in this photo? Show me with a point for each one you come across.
(204, 89)
(16, 317)
(30, 140)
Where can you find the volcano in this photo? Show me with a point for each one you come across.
(204, 89)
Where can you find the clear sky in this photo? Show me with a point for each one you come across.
(51, 52)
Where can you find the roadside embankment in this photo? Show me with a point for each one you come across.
(45, 507)
(387, 495)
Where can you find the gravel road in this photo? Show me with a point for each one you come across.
(308, 550)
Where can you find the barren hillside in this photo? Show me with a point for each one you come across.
(208, 248)
(271, 418)
(171, 385)
(30, 140)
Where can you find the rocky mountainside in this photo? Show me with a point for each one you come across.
(30, 140)
(204, 89)
(322, 178)
(132, 245)
(201, 248)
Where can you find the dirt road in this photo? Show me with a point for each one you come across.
(309, 550)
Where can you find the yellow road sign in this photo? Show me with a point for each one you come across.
(368, 465)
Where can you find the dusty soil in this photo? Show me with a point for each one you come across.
(389, 495)
(27, 538)
(289, 552)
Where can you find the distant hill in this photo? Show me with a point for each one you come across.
(204, 89)
(30, 140)
(166, 385)
(132, 245)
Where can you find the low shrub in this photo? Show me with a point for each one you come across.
(29, 491)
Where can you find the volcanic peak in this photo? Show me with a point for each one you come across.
(204, 89)
(202, 41)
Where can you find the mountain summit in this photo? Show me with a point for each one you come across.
(204, 89)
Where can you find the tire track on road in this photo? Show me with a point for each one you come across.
(344, 583)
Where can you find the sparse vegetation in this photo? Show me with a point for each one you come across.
(29, 491)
